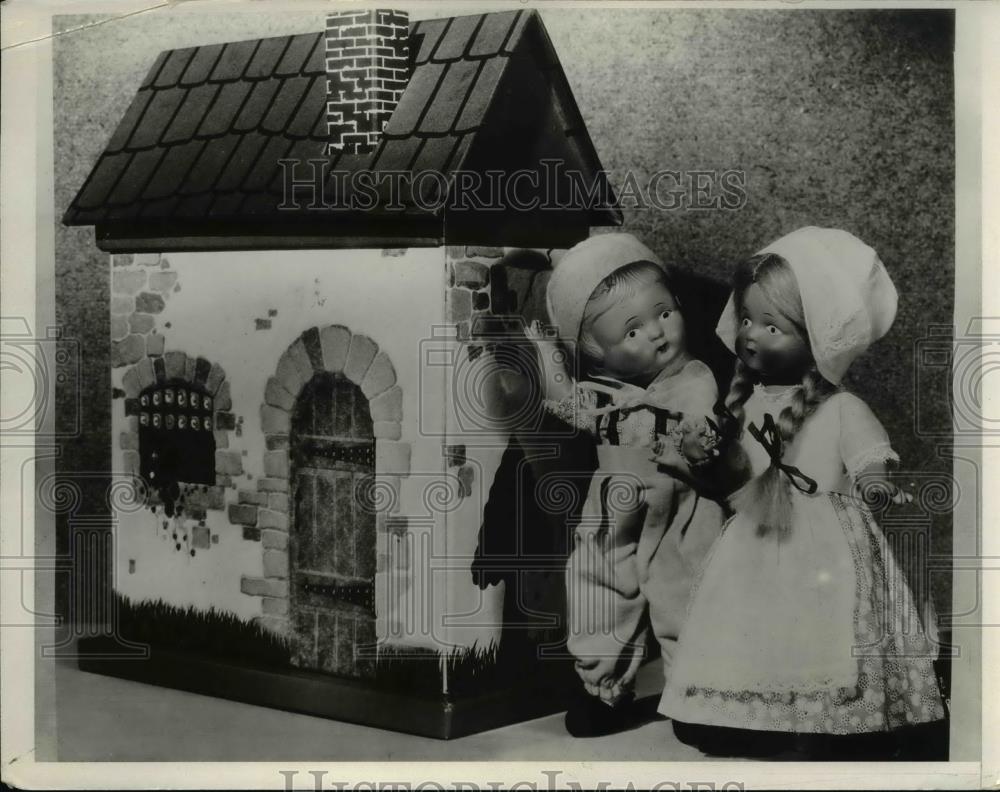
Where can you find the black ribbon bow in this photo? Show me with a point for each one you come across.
(770, 439)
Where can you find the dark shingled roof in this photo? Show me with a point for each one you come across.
(203, 137)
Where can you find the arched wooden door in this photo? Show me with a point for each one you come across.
(332, 541)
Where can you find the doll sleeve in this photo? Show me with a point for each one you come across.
(697, 397)
(569, 409)
(863, 439)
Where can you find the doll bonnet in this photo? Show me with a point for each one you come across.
(848, 299)
(580, 271)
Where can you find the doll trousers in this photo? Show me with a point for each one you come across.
(638, 549)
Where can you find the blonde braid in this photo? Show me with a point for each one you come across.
(739, 391)
(814, 391)
(767, 499)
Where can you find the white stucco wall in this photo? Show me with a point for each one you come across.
(395, 300)
(474, 616)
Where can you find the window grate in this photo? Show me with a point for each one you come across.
(176, 438)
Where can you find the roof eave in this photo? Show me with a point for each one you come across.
(320, 231)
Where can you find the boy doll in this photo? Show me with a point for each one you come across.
(643, 533)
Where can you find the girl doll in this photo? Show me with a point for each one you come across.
(793, 628)
(642, 533)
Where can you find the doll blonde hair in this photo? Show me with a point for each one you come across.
(623, 282)
(767, 498)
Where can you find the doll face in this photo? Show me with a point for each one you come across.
(768, 342)
(640, 334)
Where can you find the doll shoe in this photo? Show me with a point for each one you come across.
(588, 716)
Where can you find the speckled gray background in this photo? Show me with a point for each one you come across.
(840, 118)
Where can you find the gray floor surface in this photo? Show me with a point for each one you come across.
(100, 718)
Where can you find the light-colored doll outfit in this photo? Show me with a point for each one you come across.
(816, 630)
(642, 534)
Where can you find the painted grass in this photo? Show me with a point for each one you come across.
(415, 670)
(211, 632)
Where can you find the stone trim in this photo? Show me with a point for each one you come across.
(261, 587)
(251, 497)
(478, 285)
(141, 285)
(173, 365)
(335, 349)
(454, 454)
(478, 289)
(466, 478)
(242, 514)
(140, 288)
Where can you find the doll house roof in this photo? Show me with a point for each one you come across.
(195, 162)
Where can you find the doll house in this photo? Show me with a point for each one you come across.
(318, 517)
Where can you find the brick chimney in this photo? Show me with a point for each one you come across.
(367, 68)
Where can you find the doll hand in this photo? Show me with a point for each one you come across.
(665, 452)
(899, 496)
(877, 490)
(716, 472)
(700, 440)
(596, 670)
(611, 693)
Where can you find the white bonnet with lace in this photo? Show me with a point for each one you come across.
(581, 270)
(848, 299)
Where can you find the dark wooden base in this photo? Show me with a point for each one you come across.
(328, 696)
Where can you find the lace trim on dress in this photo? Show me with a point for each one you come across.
(761, 393)
(816, 690)
(568, 411)
(881, 453)
(896, 683)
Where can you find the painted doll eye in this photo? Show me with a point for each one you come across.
(665, 314)
(745, 323)
(772, 330)
(632, 334)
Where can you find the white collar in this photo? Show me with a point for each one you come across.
(773, 394)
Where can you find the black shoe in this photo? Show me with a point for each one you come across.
(588, 716)
(731, 742)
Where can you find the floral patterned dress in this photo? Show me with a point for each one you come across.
(816, 631)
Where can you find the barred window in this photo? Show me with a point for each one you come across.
(176, 438)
